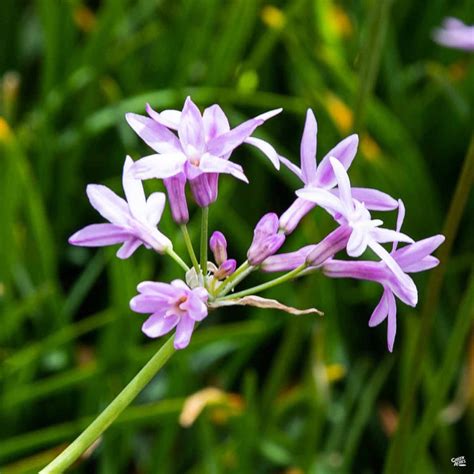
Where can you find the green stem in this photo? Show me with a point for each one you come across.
(370, 57)
(189, 246)
(269, 284)
(204, 227)
(456, 209)
(177, 259)
(113, 410)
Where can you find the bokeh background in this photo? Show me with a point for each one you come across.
(274, 393)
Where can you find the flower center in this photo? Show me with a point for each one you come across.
(194, 156)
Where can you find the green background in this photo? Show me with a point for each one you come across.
(299, 394)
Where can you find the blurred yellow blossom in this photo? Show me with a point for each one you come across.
(340, 113)
(273, 17)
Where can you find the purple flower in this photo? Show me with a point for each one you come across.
(323, 176)
(366, 232)
(171, 305)
(176, 189)
(455, 34)
(266, 239)
(202, 148)
(225, 269)
(132, 222)
(412, 258)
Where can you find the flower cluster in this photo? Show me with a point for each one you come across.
(194, 149)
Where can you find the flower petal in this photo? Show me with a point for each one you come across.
(391, 321)
(168, 118)
(154, 134)
(343, 184)
(308, 148)
(411, 254)
(374, 199)
(400, 219)
(292, 167)
(425, 263)
(227, 142)
(388, 235)
(357, 243)
(191, 127)
(108, 204)
(322, 198)
(380, 311)
(99, 235)
(128, 247)
(155, 205)
(134, 193)
(184, 331)
(214, 164)
(266, 149)
(156, 326)
(215, 122)
(159, 166)
(345, 152)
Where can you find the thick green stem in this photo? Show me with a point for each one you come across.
(435, 283)
(204, 226)
(269, 284)
(177, 259)
(190, 248)
(113, 410)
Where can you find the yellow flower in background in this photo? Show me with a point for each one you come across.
(370, 148)
(273, 17)
(5, 131)
(340, 113)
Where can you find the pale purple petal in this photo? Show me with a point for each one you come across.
(156, 326)
(387, 235)
(373, 199)
(227, 142)
(380, 311)
(99, 235)
(417, 251)
(345, 152)
(266, 149)
(334, 242)
(400, 219)
(134, 193)
(128, 247)
(292, 167)
(455, 34)
(391, 321)
(268, 115)
(308, 148)
(425, 263)
(150, 303)
(322, 198)
(360, 270)
(176, 189)
(157, 288)
(191, 128)
(215, 122)
(357, 243)
(155, 205)
(159, 166)
(196, 308)
(108, 204)
(154, 134)
(343, 184)
(168, 118)
(202, 190)
(180, 285)
(214, 164)
(184, 331)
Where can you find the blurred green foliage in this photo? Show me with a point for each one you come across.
(299, 395)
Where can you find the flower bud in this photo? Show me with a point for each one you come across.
(264, 247)
(329, 246)
(225, 269)
(292, 216)
(218, 245)
(175, 186)
(204, 188)
(266, 226)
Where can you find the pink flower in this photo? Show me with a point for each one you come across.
(455, 34)
(171, 305)
(132, 222)
(202, 148)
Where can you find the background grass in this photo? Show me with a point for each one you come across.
(299, 395)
